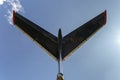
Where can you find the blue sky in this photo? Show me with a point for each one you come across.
(97, 59)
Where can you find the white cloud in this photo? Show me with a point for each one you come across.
(12, 5)
(16, 6)
(2, 1)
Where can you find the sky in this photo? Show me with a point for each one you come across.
(97, 59)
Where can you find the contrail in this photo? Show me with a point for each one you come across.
(11, 5)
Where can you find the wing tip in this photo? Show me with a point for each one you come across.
(105, 16)
(14, 19)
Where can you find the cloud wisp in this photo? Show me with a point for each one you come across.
(12, 5)
(2, 1)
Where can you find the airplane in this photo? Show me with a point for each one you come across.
(60, 47)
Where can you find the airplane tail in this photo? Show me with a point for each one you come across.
(49, 42)
(67, 44)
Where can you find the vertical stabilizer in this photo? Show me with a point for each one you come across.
(60, 72)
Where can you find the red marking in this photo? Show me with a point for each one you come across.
(14, 19)
(105, 16)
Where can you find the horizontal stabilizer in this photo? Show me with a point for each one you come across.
(45, 39)
(50, 42)
(73, 40)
